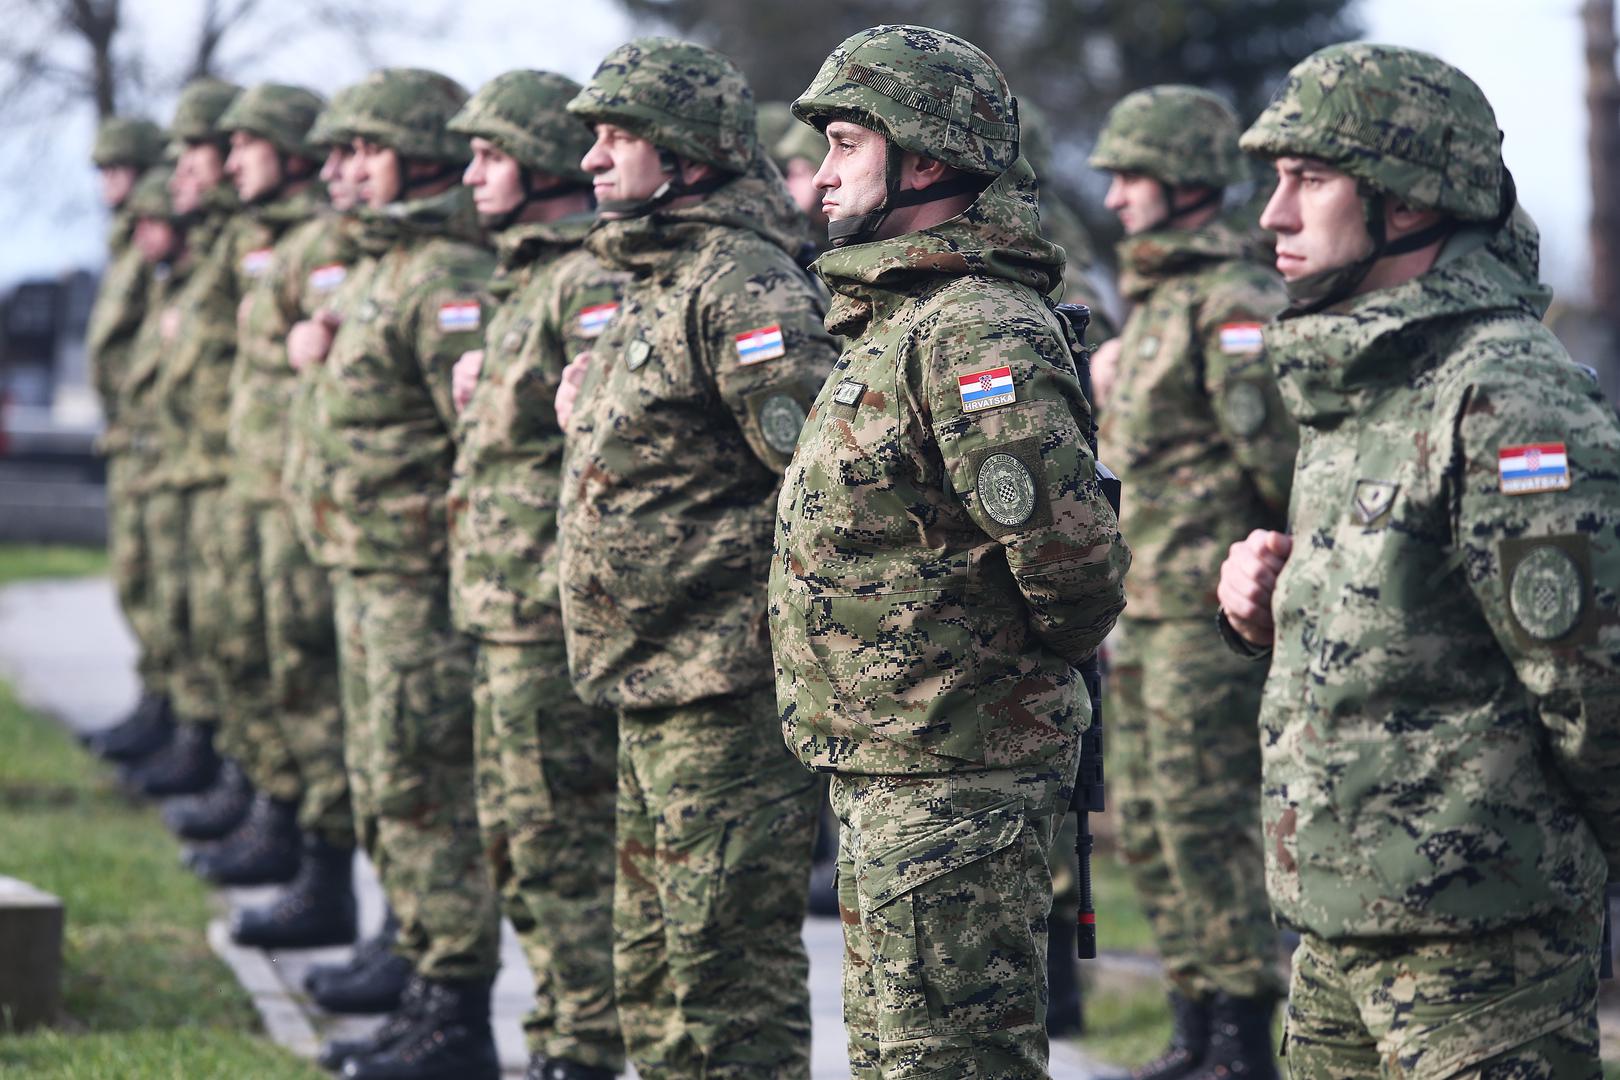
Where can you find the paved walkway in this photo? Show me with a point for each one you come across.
(66, 650)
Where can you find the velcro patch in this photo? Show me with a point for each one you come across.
(323, 279)
(764, 343)
(594, 319)
(459, 316)
(1533, 467)
(257, 261)
(986, 389)
(1242, 339)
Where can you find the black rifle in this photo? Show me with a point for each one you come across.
(1088, 784)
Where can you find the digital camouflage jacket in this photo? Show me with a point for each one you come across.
(1441, 725)
(114, 320)
(690, 410)
(944, 555)
(1194, 426)
(137, 398)
(553, 301)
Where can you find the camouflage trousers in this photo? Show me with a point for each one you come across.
(408, 743)
(131, 564)
(546, 788)
(301, 639)
(227, 620)
(1516, 1004)
(945, 890)
(1184, 767)
(192, 685)
(715, 826)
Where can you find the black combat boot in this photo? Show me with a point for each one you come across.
(211, 814)
(316, 909)
(382, 942)
(1064, 1015)
(544, 1068)
(1240, 1040)
(335, 1054)
(1189, 1041)
(451, 1039)
(184, 767)
(262, 850)
(146, 730)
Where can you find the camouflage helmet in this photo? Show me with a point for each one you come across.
(201, 104)
(1183, 136)
(772, 119)
(1402, 122)
(149, 198)
(330, 127)
(128, 140)
(408, 110)
(800, 141)
(927, 91)
(678, 96)
(524, 113)
(277, 112)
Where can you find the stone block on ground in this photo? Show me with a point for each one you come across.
(31, 922)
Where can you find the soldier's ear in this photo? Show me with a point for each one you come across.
(924, 172)
(1403, 220)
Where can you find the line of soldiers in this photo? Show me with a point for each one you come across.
(553, 577)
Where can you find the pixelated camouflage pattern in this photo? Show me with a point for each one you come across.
(330, 126)
(115, 319)
(1062, 225)
(1180, 135)
(1431, 765)
(1519, 1002)
(772, 120)
(280, 113)
(1196, 426)
(678, 96)
(913, 632)
(928, 91)
(190, 677)
(799, 141)
(504, 492)
(128, 140)
(1399, 120)
(407, 110)
(522, 113)
(677, 447)
(196, 115)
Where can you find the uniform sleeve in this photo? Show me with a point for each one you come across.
(449, 317)
(1537, 519)
(1242, 388)
(766, 349)
(588, 301)
(1007, 414)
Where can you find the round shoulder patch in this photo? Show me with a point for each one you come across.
(780, 420)
(1245, 406)
(1006, 489)
(1547, 594)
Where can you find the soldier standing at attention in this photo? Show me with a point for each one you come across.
(546, 759)
(945, 559)
(691, 406)
(1195, 426)
(383, 423)
(1441, 723)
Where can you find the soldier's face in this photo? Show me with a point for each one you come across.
(199, 170)
(801, 184)
(1138, 201)
(1317, 215)
(495, 177)
(116, 183)
(853, 177)
(376, 171)
(254, 166)
(340, 190)
(622, 166)
(156, 239)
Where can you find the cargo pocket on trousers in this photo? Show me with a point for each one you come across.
(432, 721)
(948, 923)
(693, 866)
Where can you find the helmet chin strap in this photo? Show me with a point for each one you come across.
(863, 228)
(1173, 214)
(671, 189)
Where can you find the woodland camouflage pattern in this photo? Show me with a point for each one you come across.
(280, 113)
(127, 140)
(408, 110)
(1180, 135)
(522, 113)
(197, 113)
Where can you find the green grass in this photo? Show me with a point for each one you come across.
(22, 562)
(143, 996)
(1121, 926)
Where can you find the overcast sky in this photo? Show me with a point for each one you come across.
(1525, 53)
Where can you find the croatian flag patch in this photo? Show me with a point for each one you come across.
(257, 261)
(458, 316)
(1536, 467)
(324, 279)
(594, 319)
(1242, 338)
(985, 389)
(762, 344)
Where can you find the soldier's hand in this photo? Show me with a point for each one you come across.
(464, 377)
(572, 377)
(1104, 370)
(1248, 579)
(308, 342)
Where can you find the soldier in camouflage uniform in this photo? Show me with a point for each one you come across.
(945, 559)
(196, 329)
(545, 759)
(1441, 722)
(692, 403)
(1195, 425)
(125, 149)
(797, 151)
(1061, 224)
(382, 423)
